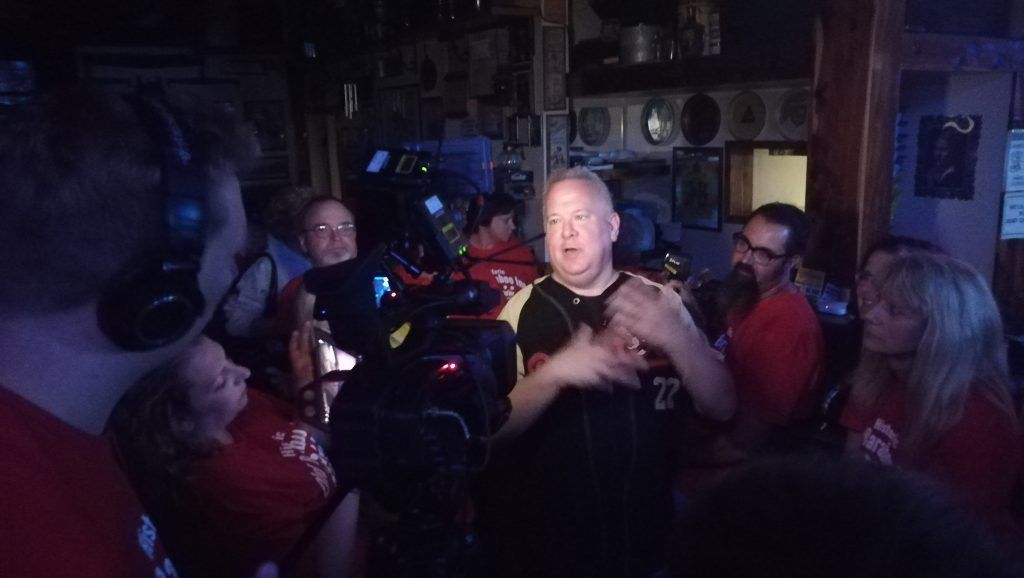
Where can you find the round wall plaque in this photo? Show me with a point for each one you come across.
(701, 119)
(747, 114)
(658, 121)
(792, 115)
(593, 125)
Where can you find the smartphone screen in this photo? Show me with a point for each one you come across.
(381, 285)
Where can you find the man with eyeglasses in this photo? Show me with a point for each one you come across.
(327, 234)
(776, 349)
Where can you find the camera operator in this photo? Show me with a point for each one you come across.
(87, 223)
(497, 255)
(608, 364)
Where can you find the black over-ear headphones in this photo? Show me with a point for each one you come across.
(159, 300)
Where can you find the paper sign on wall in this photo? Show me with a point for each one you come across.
(1012, 226)
(1014, 161)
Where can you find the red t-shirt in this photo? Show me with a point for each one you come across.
(508, 272)
(256, 497)
(66, 509)
(978, 457)
(777, 356)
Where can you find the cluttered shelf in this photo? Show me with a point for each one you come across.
(704, 71)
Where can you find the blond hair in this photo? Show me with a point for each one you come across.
(962, 348)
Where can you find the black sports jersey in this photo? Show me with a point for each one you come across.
(586, 490)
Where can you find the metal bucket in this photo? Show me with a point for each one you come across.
(642, 43)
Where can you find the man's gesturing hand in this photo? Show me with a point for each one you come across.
(592, 361)
(652, 314)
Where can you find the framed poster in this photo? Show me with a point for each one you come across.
(270, 168)
(553, 51)
(947, 153)
(557, 141)
(268, 121)
(697, 187)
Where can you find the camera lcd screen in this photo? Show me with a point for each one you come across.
(434, 205)
(406, 164)
(380, 158)
(381, 285)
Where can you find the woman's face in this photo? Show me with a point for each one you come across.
(216, 388)
(892, 329)
(869, 278)
(502, 227)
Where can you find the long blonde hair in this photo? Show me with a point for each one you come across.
(962, 348)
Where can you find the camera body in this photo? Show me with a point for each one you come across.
(428, 406)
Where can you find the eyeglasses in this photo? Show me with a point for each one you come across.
(323, 230)
(762, 256)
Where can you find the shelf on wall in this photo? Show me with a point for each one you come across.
(623, 171)
(706, 71)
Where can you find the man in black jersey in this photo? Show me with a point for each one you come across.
(608, 364)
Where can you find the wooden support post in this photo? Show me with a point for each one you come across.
(856, 98)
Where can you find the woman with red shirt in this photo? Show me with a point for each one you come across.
(931, 391)
(495, 254)
(230, 475)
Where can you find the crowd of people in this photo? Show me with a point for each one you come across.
(138, 446)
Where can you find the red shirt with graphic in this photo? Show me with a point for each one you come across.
(777, 355)
(66, 509)
(255, 498)
(978, 458)
(508, 272)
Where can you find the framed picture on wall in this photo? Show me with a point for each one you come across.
(947, 153)
(697, 187)
(553, 51)
(268, 121)
(557, 140)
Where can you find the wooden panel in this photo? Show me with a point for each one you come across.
(856, 93)
(1009, 283)
(1008, 280)
(945, 53)
(739, 181)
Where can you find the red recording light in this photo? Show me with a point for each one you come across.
(449, 367)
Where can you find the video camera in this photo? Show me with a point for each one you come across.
(428, 405)
(415, 414)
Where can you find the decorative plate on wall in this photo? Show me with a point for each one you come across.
(658, 121)
(593, 125)
(747, 114)
(701, 119)
(792, 115)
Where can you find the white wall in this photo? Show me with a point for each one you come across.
(780, 178)
(967, 229)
